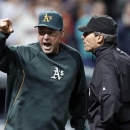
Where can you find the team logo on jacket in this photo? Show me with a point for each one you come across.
(58, 74)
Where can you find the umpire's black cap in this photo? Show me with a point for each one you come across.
(103, 23)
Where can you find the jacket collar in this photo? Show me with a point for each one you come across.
(100, 51)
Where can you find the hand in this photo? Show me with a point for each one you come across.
(6, 26)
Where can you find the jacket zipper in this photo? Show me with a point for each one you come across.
(16, 96)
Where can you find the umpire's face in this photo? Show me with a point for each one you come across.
(49, 39)
(91, 42)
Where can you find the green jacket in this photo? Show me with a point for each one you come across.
(42, 88)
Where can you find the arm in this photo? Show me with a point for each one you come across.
(78, 102)
(5, 29)
(105, 105)
(3, 58)
(8, 55)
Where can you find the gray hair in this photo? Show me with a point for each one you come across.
(107, 37)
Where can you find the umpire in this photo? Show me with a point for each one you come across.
(109, 107)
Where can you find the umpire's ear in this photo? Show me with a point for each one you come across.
(100, 39)
(62, 32)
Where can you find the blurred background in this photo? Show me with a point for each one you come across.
(24, 14)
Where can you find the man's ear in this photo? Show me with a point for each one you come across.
(100, 39)
(62, 32)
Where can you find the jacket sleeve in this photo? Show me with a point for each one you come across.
(3, 57)
(10, 58)
(78, 102)
(104, 110)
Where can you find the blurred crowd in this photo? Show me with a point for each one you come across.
(24, 14)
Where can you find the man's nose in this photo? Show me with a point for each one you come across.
(46, 36)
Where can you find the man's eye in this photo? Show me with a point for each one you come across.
(43, 32)
(50, 32)
(85, 34)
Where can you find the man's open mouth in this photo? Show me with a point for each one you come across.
(47, 45)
